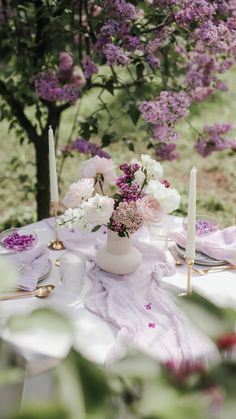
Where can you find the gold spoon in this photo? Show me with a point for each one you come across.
(42, 291)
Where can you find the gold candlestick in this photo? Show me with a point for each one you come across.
(190, 263)
(56, 244)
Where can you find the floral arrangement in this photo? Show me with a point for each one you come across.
(142, 196)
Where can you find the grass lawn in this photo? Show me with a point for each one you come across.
(216, 174)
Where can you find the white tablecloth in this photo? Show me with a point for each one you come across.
(93, 336)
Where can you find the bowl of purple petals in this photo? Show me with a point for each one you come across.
(17, 240)
(204, 225)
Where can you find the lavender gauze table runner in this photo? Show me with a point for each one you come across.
(139, 304)
(145, 313)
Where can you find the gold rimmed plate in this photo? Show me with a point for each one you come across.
(201, 258)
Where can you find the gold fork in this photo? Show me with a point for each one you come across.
(181, 262)
(216, 269)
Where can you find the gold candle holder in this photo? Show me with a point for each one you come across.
(189, 263)
(56, 244)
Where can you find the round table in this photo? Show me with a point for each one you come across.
(93, 336)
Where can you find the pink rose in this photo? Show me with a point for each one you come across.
(101, 169)
(79, 191)
(149, 207)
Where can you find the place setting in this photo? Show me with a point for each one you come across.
(20, 247)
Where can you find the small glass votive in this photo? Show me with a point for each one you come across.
(158, 233)
(72, 271)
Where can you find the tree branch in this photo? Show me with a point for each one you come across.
(166, 22)
(17, 111)
(122, 86)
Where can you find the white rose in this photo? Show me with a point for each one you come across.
(78, 191)
(139, 177)
(98, 209)
(168, 198)
(154, 169)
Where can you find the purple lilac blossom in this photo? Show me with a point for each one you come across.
(153, 61)
(129, 190)
(131, 43)
(49, 88)
(212, 139)
(168, 108)
(83, 146)
(166, 151)
(89, 67)
(115, 55)
(120, 9)
(164, 132)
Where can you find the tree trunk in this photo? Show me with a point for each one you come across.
(42, 177)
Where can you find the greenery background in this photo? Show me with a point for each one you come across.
(216, 173)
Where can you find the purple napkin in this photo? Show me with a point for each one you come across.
(144, 312)
(220, 245)
(31, 265)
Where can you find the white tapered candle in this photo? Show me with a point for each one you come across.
(54, 195)
(191, 226)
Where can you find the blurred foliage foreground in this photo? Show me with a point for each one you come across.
(136, 387)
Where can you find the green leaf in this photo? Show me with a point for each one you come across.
(46, 411)
(109, 85)
(131, 146)
(211, 319)
(96, 228)
(134, 113)
(94, 382)
(139, 70)
(106, 139)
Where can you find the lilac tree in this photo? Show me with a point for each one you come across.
(161, 55)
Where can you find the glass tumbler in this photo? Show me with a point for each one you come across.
(72, 271)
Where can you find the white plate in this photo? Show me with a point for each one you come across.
(201, 258)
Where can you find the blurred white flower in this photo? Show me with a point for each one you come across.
(8, 275)
(98, 209)
(168, 198)
(78, 191)
(74, 218)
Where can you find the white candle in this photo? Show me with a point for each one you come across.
(191, 226)
(52, 167)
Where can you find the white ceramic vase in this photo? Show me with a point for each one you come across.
(118, 256)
